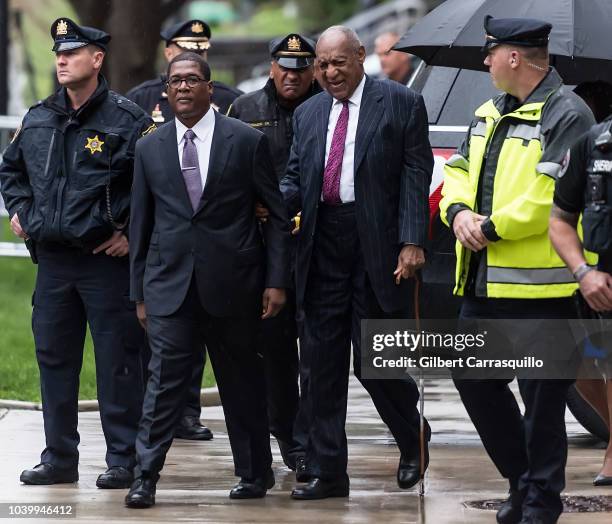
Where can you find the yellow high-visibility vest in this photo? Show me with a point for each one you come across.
(523, 264)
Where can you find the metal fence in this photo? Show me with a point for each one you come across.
(8, 125)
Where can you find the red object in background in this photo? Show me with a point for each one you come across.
(437, 181)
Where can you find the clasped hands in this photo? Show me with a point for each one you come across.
(467, 227)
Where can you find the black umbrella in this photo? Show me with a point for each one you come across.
(580, 45)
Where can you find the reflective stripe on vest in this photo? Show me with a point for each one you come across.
(480, 129)
(519, 164)
(517, 275)
(459, 162)
(551, 169)
(524, 131)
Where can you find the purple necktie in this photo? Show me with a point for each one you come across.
(333, 169)
(191, 169)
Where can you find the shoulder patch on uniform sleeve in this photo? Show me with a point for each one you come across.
(17, 131)
(149, 130)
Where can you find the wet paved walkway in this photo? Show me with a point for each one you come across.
(197, 477)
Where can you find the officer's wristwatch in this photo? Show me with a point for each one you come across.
(581, 271)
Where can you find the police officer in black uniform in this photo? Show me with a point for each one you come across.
(66, 180)
(270, 110)
(585, 188)
(194, 36)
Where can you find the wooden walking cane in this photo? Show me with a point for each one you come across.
(417, 317)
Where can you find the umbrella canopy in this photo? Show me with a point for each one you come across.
(580, 41)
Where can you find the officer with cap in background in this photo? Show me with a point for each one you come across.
(585, 188)
(497, 197)
(270, 110)
(66, 179)
(194, 36)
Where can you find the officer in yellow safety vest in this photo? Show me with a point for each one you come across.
(497, 196)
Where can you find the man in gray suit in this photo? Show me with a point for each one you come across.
(363, 193)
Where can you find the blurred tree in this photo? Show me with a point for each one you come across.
(134, 26)
(318, 14)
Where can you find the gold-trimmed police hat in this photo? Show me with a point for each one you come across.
(193, 35)
(527, 32)
(293, 51)
(68, 35)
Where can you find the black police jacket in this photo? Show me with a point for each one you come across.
(152, 93)
(261, 110)
(585, 187)
(55, 172)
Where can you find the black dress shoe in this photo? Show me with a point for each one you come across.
(115, 477)
(46, 473)
(189, 428)
(511, 510)
(141, 494)
(319, 488)
(409, 467)
(301, 473)
(602, 480)
(253, 488)
(285, 450)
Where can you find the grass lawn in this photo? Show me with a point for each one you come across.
(19, 378)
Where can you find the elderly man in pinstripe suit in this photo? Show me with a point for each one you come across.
(359, 171)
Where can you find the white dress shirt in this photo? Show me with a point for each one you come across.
(347, 175)
(203, 130)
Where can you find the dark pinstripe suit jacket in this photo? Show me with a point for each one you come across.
(393, 166)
